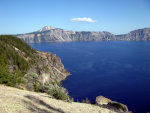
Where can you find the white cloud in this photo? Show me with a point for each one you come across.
(84, 19)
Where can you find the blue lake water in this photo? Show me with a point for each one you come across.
(119, 70)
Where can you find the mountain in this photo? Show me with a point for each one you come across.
(23, 67)
(137, 35)
(46, 28)
(50, 34)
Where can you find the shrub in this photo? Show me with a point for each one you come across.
(37, 87)
(60, 95)
(83, 101)
(51, 92)
(72, 99)
(58, 83)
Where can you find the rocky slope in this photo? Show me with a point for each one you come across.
(23, 67)
(14, 100)
(49, 68)
(138, 35)
(50, 34)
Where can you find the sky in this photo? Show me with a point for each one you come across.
(115, 16)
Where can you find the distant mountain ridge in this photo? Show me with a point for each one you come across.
(50, 34)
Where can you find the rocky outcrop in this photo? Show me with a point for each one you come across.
(113, 105)
(100, 100)
(119, 106)
(50, 34)
(49, 68)
(46, 74)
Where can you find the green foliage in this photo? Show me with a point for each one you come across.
(72, 99)
(37, 87)
(18, 43)
(44, 67)
(51, 92)
(13, 59)
(56, 82)
(32, 82)
(32, 77)
(60, 95)
(83, 101)
(86, 101)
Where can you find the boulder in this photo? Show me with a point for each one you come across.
(107, 103)
(100, 100)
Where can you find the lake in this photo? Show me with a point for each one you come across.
(118, 70)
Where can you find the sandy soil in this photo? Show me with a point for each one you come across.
(14, 100)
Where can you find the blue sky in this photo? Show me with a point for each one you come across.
(115, 16)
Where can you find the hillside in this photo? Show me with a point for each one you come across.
(40, 73)
(50, 34)
(14, 100)
(25, 68)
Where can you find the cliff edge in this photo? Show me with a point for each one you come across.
(50, 34)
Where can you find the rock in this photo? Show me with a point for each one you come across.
(50, 34)
(107, 103)
(100, 100)
(49, 68)
(119, 106)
